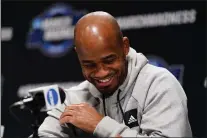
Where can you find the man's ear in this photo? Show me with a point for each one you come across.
(126, 45)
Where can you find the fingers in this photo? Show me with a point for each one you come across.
(67, 116)
(73, 107)
(66, 119)
(67, 113)
(71, 111)
(77, 106)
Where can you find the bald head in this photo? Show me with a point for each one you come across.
(97, 26)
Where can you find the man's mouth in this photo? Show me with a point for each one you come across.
(104, 82)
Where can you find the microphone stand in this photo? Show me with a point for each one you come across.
(34, 110)
(36, 122)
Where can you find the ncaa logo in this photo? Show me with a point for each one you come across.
(52, 31)
(52, 97)
(176, 70)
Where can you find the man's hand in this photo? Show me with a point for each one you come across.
(82, 116)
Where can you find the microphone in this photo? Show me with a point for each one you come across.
(43, 98)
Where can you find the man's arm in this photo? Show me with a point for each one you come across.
(164, 115)
(51, 126)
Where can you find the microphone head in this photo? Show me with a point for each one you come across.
(35, 102)
(43, 98)
(39, 100)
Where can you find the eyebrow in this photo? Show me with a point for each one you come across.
(103, 58)
(108, 57)
(87, 61)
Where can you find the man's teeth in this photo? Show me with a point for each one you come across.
(105, 80)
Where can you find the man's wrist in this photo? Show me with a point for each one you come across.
(95, 124)
(107, 127)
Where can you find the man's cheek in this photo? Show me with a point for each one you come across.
(85, 75)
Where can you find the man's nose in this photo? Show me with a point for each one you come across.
(101, 72)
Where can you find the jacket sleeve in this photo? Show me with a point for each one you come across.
(51, 126)
(164, 113)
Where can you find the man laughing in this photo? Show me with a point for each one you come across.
(123, 95)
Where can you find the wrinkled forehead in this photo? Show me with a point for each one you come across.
(97, 49)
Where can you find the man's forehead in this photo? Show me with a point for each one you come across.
(107, 48)
(97, 51)
(97, 43)
(104, 57)
(95, 33)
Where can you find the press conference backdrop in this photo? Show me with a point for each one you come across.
(37, 39)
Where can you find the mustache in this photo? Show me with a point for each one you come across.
(105, 77)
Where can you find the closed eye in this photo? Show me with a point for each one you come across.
(109, 61)
(91, 65)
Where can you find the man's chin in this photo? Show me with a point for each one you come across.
(106, 91)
